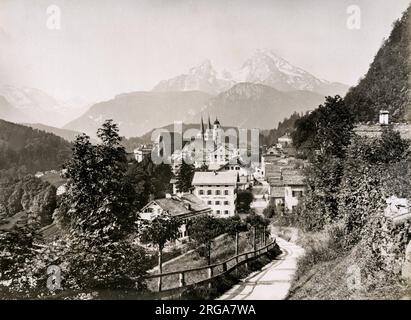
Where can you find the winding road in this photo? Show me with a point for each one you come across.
(273, 281)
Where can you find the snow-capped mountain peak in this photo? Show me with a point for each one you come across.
(266, 67)
(34, 105)
(204, 68)
(263, 67)
(202, 77)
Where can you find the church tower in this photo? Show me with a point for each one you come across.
(209, 131)
(217, 132)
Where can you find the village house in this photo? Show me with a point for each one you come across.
(285, 141)
(218, 190)
(184, 207)
(294, 189)
(287, 186)
(142, 152)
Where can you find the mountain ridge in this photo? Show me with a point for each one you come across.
(263, 67)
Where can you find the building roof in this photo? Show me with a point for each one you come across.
(293, 180)
(220, 177)
(216, 166)
(177, 206)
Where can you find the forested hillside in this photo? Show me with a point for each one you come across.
(284, 126)
(386, 84)
(349, 179)
(29, 150)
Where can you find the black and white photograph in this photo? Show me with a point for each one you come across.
(226, 152)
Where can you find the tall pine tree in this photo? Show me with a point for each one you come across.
(185, 177)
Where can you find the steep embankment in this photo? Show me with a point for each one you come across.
(359, 252)
(387, 82)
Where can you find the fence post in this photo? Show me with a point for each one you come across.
(210, 275)
(254, 239)
(182, 279)
(265, 236)
(236, 251)
(159, 283)
(224, 267)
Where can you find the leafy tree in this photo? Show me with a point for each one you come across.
(185, 177)
(100, 171)
(16, 253)
(234, 226)
(243, 201)
(99, 208)
(159, 231)
(324, 136)
(269, 211)
(256, 223)
(149, 179)
(202, 231)
(326, 130)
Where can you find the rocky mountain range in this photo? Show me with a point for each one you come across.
(138, 112)
(202, 77)
(33, 105)
(262, 92)
(263, 67)
(249, 105)
(245, 105)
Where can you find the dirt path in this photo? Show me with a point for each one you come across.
(273, 281)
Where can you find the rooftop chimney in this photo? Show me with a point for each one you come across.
(384, 117)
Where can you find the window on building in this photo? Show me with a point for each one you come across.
(226, 203)
(217, 203)
(225, 211)
(209, 203)
(217, 192)
(209, 192)
(297, 194)
(226, 192)
(200, 191)
(218, 211)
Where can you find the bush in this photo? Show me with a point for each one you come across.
(244, 199)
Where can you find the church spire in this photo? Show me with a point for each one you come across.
(202, 128)
(209, 122)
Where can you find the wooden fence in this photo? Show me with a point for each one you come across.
(208, 273)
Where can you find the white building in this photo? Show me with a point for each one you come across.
(184, 207)
(287, 188)
(142, 152)
(285, 141)
(218, 190)
(294, 187)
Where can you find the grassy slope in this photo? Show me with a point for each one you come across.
(323, 272)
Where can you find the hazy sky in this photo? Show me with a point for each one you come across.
(106, 47)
